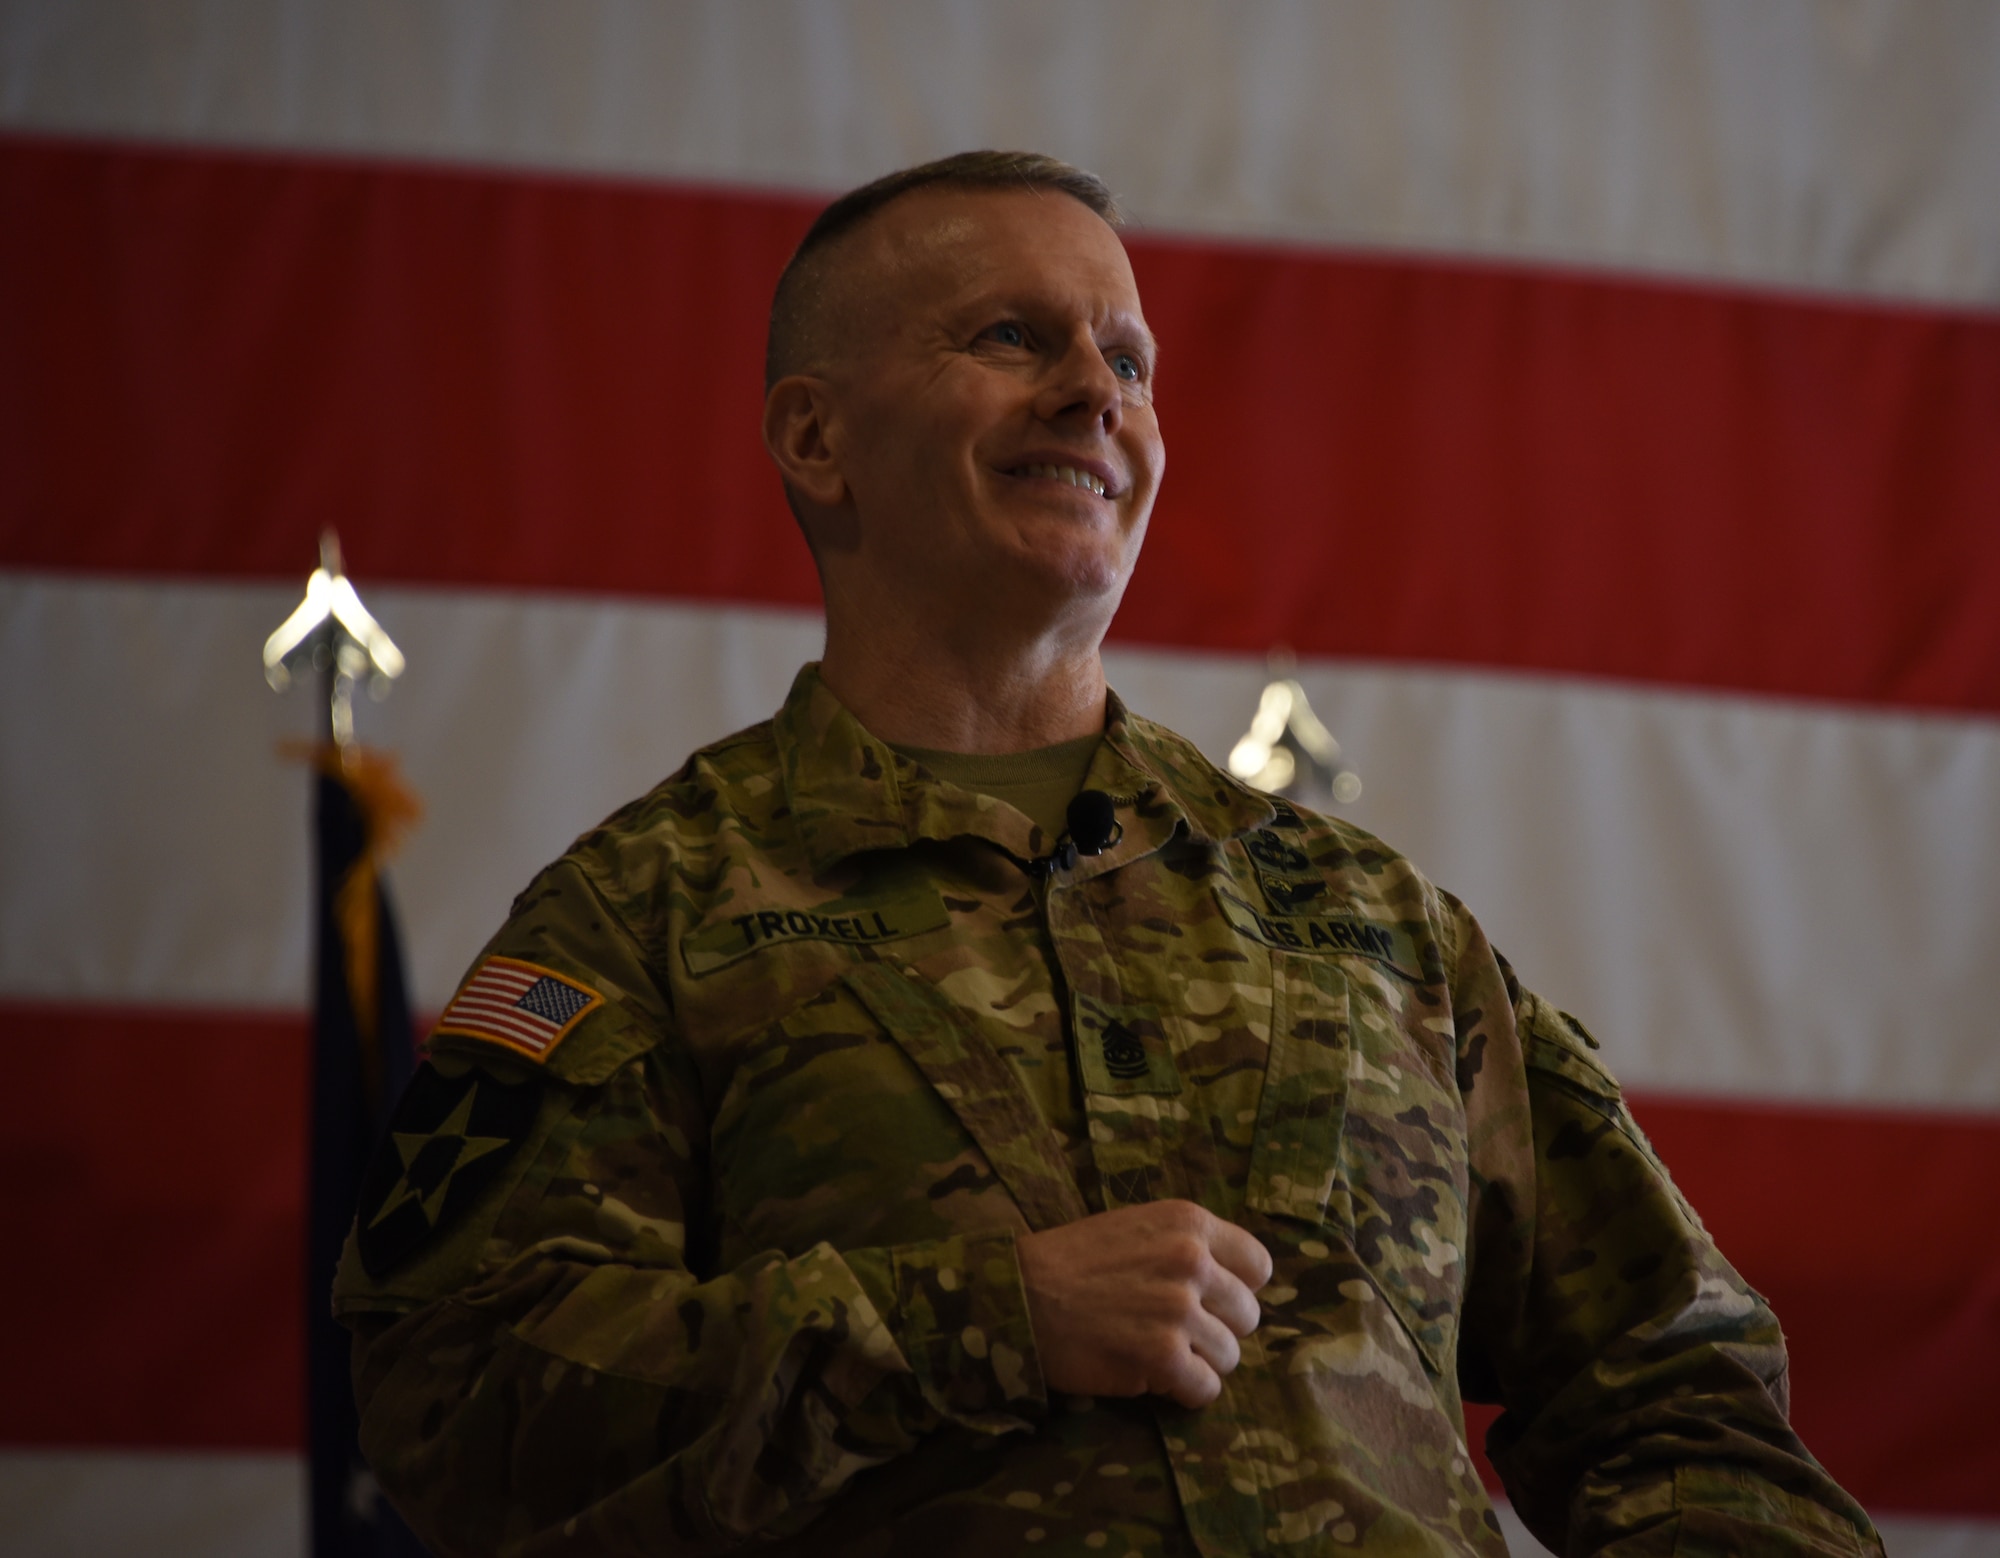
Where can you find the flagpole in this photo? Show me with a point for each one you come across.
(361, 1051)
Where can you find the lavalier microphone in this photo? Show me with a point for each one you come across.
(1093, 822)
(1093, 828)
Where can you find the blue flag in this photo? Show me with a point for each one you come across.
(362, 1056)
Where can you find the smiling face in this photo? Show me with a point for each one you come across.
(987, 408)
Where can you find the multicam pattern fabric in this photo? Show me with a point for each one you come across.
(751, 1274)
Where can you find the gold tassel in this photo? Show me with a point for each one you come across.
(389, 809)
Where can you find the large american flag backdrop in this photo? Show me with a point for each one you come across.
(1603, 403)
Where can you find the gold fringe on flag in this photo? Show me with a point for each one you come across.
(389, 809)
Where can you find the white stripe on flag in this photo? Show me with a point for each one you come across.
(1739, 895)
(1792, 144)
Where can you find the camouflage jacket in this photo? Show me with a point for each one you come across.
(697, 1229)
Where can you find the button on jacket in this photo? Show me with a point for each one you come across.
(709, 1238)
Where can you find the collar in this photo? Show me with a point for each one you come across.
(850, 792)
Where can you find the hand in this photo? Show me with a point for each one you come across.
(1145, 1300)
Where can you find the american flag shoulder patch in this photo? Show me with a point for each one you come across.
(524, 1006)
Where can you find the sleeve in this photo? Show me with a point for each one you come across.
(553, 1365)
(1643, 1381)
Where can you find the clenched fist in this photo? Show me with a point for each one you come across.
(1144, 1300)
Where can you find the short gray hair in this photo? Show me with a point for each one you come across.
(794, 306)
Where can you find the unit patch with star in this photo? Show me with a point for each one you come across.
(448, 1140)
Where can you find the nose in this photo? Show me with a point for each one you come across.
(1081, 387)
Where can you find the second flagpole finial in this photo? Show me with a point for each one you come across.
(1287, 751)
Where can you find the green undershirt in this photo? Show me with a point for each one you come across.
(1039, 784)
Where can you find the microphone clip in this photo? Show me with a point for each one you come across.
(1093, 828)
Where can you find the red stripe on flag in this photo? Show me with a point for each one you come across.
(498, 980)
(155, 1164)
(505, 976)
(1873, 1236)
(501, 997)
(532, 1036)
(463, 1007)
(503, 980)
(528, 1028)
(157, 1160)
(501, 1013)
(523, 381)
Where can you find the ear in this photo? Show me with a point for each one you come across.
(797, 412)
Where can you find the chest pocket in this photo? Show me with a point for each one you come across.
(1295, 1153)
(1360, 1131)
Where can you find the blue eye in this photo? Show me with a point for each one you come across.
(1009, 334)
(1126, 366)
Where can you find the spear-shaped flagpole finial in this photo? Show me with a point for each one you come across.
(332, 633)
(1287, 751)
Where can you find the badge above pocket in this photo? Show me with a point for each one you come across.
(1285, 872)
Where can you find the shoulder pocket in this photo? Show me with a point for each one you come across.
(1558, 1050)
(1557, 1045)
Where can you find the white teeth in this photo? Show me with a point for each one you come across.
(1068, 473)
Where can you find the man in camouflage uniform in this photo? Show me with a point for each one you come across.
(827, 1154)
